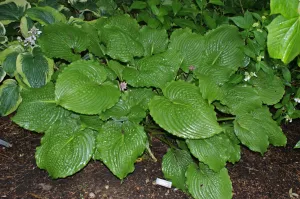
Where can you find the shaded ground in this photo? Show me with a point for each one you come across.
(254, 177)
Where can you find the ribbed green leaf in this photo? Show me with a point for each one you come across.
(132, 106)
(174, 165)
(154, 71)
(189, 44)
(221, 55)
(288, 8)
(46, 15)
(10, 62)
(154, 41)
(63, 41)
(10, 97)
(215, 151)
(283, 38)
(11, 10)
(183, 112)
(240, 98)
(35, 69)
(65, 149)
(82, 88)
(38, 110)
(250, 131)
(269, 87)
(120, 34)
(204, 183)
(119, 145)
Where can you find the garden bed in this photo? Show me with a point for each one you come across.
(259, 177)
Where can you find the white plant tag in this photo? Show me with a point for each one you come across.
(163, 183)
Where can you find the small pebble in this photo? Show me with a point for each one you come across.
(92, 195)
(106, 186)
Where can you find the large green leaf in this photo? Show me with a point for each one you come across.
(119, 144)
(174, 165)
(240, 98)
(65, 149)
(10, 62)
(63, 41)
(288, 8)
(12, 10)
(10, 97)
(221, 55)
(154, 41)
(82, 88)
(46, 15)
(120, 33)
(269, 87)
(132, 106)
(156, 70)
(218, 54)
(283, 38)
(204, 183)
(35, 69)
(189, 44)
(250, 131)
(215, 151)
(38, 110)
(91, 121)
(183, 112)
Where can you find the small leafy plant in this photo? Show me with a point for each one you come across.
(100, 85)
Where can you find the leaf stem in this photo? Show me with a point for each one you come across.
(225, 119)
(242, 6)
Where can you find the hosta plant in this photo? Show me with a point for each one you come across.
(100, 87)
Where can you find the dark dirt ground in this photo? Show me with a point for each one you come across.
(255, 177)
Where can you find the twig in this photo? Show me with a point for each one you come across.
(242, 6)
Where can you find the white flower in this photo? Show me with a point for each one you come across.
(29, 41)
(288, 119)
(19, 39)
(249, 75)
(297, 100)
(34, 33)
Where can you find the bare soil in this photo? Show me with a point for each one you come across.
(271, 176)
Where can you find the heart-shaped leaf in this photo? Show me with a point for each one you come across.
(63, 41)
(205, 183)
(38, 110)
(154, 41)
(35, 69)
(65, 149)
(183, 112)
(11, 11)
(216, 151)
(119, 145)
(82, 88)
(250, 131)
